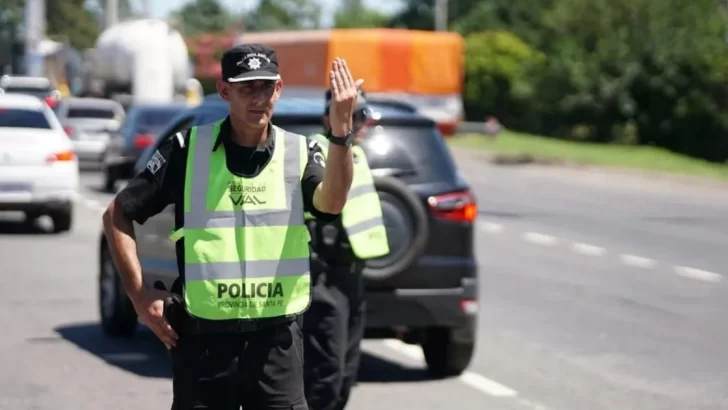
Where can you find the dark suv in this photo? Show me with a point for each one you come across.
(137, 132)
(424, 292)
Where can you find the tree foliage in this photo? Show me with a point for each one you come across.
(355, 14)
(273, 15)
(71, 22)
(202, 16)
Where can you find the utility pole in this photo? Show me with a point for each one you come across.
(111, 13)
(34, 32)
(441, 15)
(145, 8)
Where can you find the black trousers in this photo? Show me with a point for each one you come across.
(333, 328)
(258, 370)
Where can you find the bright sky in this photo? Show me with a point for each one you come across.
(160, 8)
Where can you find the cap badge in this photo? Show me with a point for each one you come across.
(252, 60)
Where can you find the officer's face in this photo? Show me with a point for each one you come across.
(251, 102)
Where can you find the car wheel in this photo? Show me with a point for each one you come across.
(62, 219)
(444, 354)
(118, 318)
(405, 219)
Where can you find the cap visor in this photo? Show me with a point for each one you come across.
(254, 75)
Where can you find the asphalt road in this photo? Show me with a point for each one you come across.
(582, 306)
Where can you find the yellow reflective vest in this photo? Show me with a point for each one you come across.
(246, 248)
(362, 214)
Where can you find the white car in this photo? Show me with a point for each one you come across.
(39, 172)
(88, 122)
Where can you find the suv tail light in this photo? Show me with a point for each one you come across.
(447, 129)
(143, 141)
(455, 206)
(61, 156)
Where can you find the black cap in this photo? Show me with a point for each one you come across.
(249, 62)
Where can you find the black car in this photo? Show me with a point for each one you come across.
(142, 124)
(425, 291)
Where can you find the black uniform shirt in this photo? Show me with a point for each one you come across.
(150, 192)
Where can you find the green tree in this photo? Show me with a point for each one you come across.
(497, 71)
(273, 15)
(70, 21)
(203, 16)
(639, 71)
(420, 15)
(11, 15)
(524, 18)
(354, 14)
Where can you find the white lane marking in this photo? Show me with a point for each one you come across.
(487, 386)
(586, 249)
(490, 227)
(532, 405)
(698, 274)
(539, 238)
(638, 261)
(475, 381)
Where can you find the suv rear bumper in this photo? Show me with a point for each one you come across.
(420, 308)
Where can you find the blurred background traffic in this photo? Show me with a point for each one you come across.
(557, 173)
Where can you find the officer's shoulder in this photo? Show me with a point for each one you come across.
(177, 141)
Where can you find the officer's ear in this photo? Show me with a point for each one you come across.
(224, 88)
(278, 90)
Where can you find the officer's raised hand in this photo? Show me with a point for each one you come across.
(344, 92)
(149, 306)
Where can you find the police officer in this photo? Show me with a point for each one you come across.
(334, 325)
(240, 188)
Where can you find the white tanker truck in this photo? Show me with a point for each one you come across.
(139, 61)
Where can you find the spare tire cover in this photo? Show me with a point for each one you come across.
(405, 219)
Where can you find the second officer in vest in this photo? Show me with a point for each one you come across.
(240, 188)
(334, 325)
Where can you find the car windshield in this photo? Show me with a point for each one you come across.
(35, 91)
(90, 112)
(19, 118)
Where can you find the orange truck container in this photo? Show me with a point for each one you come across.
(423, 68)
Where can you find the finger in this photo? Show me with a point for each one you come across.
(170, 331)
(349, 81)
(359, 83)
(341, 82)
(167, 339)
(334, 85)
(163, 336)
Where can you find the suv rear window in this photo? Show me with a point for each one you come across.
(156, 118)
(416, 153)
(88, 112)
(15, 118)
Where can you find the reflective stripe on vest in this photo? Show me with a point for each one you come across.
(246, 245)
(362, 214)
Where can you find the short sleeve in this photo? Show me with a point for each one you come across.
(313, 175)
(148, 193)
